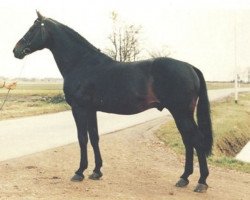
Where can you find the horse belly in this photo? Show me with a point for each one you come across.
(127, 109)
(131, 103)
(150, 101)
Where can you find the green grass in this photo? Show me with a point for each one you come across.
(223, 85)
(37, 88)
(33, 99)
(231, 127)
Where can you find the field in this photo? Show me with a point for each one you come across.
(223, 85)
(32, 99)
(231, 132)
(41, 98)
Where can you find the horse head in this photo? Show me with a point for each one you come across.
(35, 39)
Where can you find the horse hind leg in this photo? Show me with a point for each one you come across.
(198, 144)
(188, 170)
(185, 127)
(192, 138)
(204, 172)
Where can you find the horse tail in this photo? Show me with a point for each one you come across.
(203, 115)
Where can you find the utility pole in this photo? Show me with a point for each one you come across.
(236, 91)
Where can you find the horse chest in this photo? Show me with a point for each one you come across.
(79, 93)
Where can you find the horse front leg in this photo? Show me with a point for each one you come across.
(94, 139)
(81, 119)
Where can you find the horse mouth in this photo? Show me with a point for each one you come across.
(20, 54)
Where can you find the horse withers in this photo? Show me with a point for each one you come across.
(94, 82)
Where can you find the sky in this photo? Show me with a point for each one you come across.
(211, 35)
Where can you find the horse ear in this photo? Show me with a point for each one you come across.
(39, 15)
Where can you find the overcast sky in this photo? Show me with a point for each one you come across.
(207, 34)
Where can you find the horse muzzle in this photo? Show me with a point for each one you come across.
(20, 52)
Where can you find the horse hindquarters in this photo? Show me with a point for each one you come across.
(178, 85)
(175, 84)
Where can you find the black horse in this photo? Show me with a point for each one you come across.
(94, 82)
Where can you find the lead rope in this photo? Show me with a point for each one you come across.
(5, 99)
(7, 94)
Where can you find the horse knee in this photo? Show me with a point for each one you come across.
(83, 141)
(94, 141)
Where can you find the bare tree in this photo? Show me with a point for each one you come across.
(124, 39)
(164, 51)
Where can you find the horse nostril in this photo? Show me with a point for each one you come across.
(15, 51)
(26, 51)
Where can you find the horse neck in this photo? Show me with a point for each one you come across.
(71, 53)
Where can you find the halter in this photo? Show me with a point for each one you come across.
(5, 99)
(27, 50)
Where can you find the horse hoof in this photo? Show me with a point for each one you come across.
(201, 188)
(77, 178)
(182, 183)
(95, 176)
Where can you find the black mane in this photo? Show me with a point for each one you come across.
(76, 36)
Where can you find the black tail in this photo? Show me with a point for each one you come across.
(203, 115)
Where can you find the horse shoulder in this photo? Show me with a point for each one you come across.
(78, 91)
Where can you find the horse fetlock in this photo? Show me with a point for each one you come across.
(186, 174)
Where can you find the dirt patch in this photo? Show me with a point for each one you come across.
(136, 166)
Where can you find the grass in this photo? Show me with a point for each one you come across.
(33, 99)
(231, 127)
(223, 85)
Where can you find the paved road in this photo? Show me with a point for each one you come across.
(28, 135)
